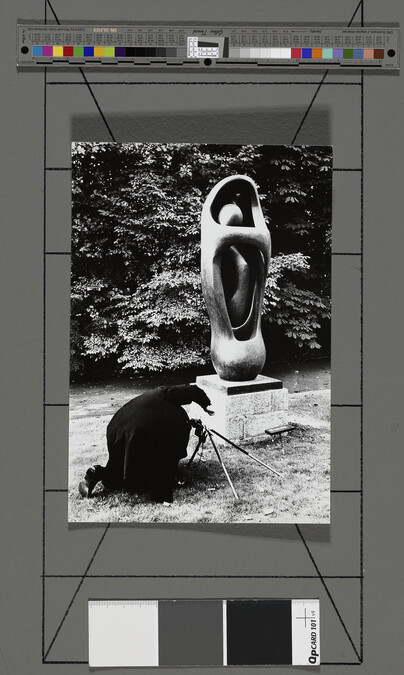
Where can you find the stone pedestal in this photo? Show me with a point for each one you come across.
(243, 410)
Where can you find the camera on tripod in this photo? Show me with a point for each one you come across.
(201, 431)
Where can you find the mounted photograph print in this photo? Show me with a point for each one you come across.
(200, 373)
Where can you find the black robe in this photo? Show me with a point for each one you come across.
(146, 439)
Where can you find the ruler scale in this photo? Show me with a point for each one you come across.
(251, 47)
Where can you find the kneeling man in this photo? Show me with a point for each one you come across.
(146, 438)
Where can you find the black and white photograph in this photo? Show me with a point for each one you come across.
(200, 376)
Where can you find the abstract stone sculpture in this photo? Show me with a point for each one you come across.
(235, 255)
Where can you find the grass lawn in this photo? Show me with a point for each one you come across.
(302, 495)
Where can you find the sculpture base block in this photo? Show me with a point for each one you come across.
(243, 410)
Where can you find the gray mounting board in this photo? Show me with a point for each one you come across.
(354, 565)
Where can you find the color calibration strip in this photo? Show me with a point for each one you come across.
(58, 51)
(308, 53)
(193, 46)
(141, 633)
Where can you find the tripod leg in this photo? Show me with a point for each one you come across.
(263, 464)
(244, 451)
(193, 454)
(223, 466)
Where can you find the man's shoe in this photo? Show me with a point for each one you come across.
(92, 477)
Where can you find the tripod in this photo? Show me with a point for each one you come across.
(205, 432)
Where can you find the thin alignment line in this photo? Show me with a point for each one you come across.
(56, 405)
(355, 13)
(44, 369)
(97, 105)
(361, 374)
(341, 663)
(309, 107)
(344, 405)
(362, 299)
(204, 82)
(65, 662)
(58, 252)
(86, 83)
(345, 253)
(47, 2)
(347, 170)
(83, 577)
(327, 591)
(333, 491)
(200, 576)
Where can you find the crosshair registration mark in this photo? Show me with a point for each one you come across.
(305, 617)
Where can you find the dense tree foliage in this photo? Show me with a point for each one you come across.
(136, 300)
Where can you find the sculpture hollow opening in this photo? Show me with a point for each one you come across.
(242, 271)
(240, 193)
